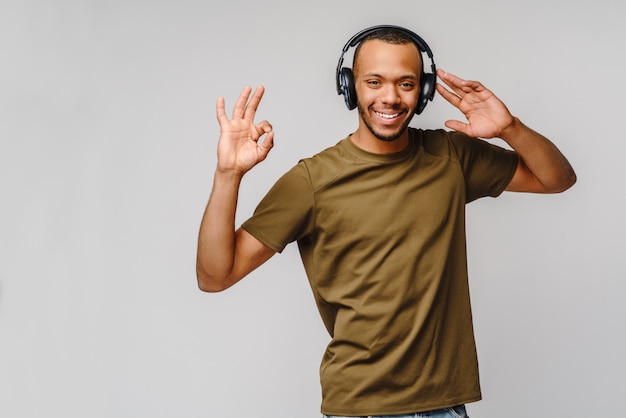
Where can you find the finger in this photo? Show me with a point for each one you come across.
(267, 144)
(263, 128)
(459, 126)
(452, 81)
(449, 76)
(221, 111)
(459, 85)
(240, 106)
(264, 147)
(452, 98)
(254, 103)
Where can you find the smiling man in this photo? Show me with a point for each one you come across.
(387, 86)
(379, 220)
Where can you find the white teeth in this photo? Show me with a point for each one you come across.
(387, 116)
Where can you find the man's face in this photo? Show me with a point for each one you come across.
(387, 87)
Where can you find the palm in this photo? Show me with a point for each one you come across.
(486, 115)
(239, 148)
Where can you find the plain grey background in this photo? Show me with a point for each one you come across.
(108, 138)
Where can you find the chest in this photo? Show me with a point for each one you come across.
(374, 203)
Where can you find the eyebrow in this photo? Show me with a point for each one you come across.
(404, 77)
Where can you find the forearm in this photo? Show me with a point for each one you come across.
(216, 239)
(543, 167)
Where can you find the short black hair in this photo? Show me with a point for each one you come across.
(389, 35)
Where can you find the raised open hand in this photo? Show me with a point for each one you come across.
(239, 148)
(487, 116)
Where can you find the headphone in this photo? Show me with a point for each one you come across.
(345, 77)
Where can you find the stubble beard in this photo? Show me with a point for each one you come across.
(387, 138)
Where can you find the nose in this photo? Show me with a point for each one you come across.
(390, 95)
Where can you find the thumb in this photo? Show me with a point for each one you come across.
(458, 126)
(266, 146)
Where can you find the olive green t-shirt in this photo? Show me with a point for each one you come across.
(382, 240)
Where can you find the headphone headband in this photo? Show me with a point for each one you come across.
(421, 44)
(345, 78)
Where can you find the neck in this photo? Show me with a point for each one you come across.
(365, 140)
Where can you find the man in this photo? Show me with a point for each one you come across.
(379, 220)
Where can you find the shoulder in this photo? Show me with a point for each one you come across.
(327, 165)
(439, 142)
(455, 145)
(329, 155)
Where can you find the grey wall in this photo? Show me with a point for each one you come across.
(108, 138)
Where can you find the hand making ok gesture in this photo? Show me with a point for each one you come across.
(239, 148)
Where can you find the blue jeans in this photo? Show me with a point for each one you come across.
(456, 412)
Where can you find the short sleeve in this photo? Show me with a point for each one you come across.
(286, 213)
(487, 168)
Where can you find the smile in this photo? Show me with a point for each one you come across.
(387, 115)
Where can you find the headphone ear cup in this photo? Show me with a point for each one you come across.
(427, 91)
(347, 87)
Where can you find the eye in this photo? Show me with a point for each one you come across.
(373, 83)
(407, 85)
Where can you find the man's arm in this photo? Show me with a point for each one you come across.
(542, 168)
(224, 255)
